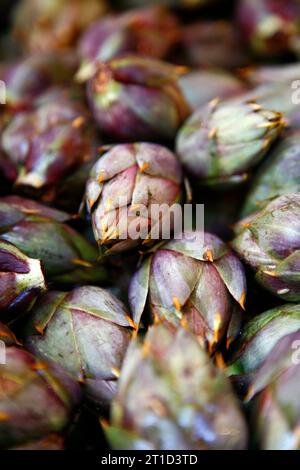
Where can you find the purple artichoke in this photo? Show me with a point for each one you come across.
(29, 77)
(279, 175)
(210, 43)
(53, 25)
(49, 143)
(137, 98)
(200, 284)
(171, 396)
(148, 31)
(269, 27)
(269, 241)
(276, 388)
(40, 233)
(124, 186)
(221, 142)
(86, 332)
(35, 400)
(21, 280)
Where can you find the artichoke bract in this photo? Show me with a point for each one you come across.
(27, 78)
(279, 175)
(21, 280)
(86, 332)
(40, 233)
(124, 185)
(260, 335)
(49, 143)
(199, 284)
(220, 143)
(53, 25)
(136, 98)
(269, 241)
(149, 31)
(276, 388)
(269, 27)
(35, 400)
(172, 397)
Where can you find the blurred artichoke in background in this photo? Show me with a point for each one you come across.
(27, 78)
(50, 143)
(171, 3)
(279, 175)
(171, 397)
(125, 184)
(276, 388)
(269, 241)
(150, 32)
(21, 280)
(136, 98)
(35, 400)
(51, 25)
(221, 142)
(211, 43)
(259, 336)
(269, 27)
(86, 332)
(39, 232)
(201, 86)
(199, 283)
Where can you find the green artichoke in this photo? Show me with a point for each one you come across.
(35, 400)
(275, 388)
(220, 143)
(260, 335)
(201, 284)
(279, 175)
(86, 332)
(269, 241)
(40, 233)
(171, 396)
(21, 280)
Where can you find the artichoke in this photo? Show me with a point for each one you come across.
(125, 184)
(21, 280)
(49, 143)
(221, 142)
(86, 332)
(27, 78)
(199, 283)
(184, 402)
(259, 336)
(52, 25)
(149, 31)
(269, 27)
(35, 400)
(40, 233)
(276, 94)
(279, 175)
(210, 43)
(269, 241)
(201, 86)
(276, 388)
(137, 98)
